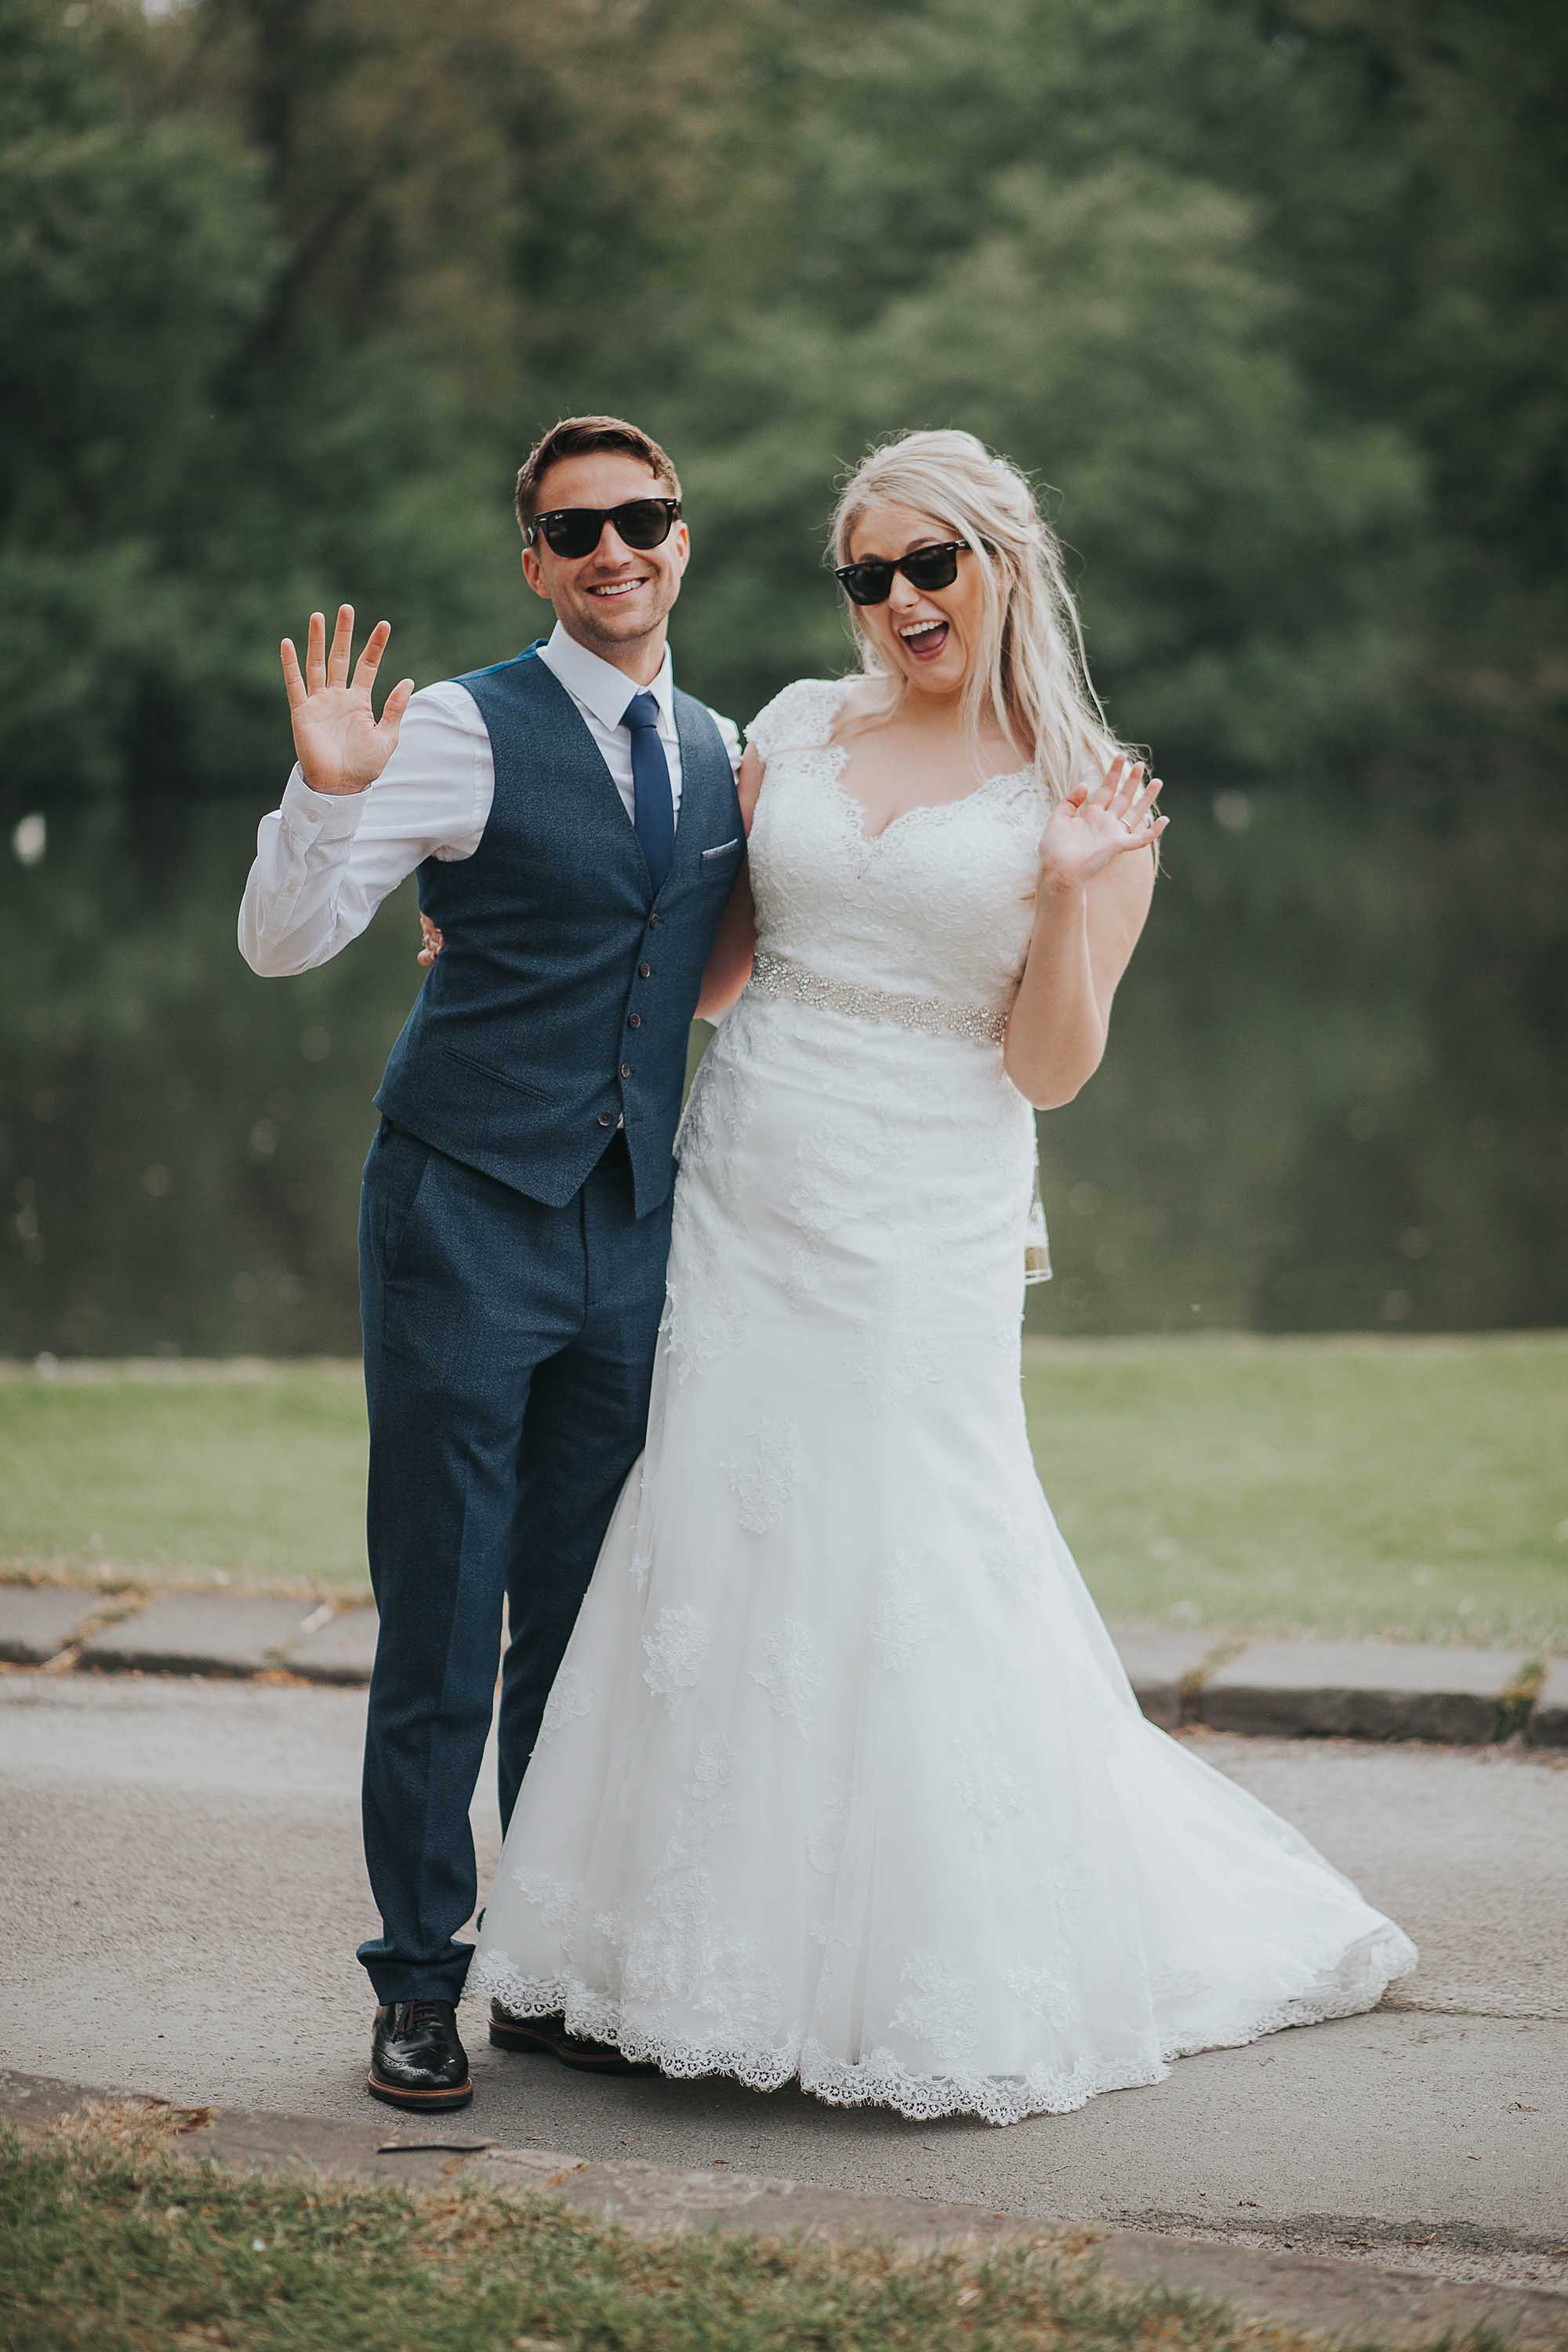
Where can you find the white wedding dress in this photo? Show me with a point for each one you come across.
(841, 1778)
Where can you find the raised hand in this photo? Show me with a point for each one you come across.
(1094, 823)
(431, 939)
(339, 743)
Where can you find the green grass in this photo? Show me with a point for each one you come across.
(1413, 1488)
(251, 1474)
(1416, 1488)
(126, 2248)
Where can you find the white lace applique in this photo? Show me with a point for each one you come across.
(676, 1645)
(987, 1789)
(713, 1779)
(764, 1474)
(806, 1274)
(571, 1697)
(704, 1317)
(1044, 1992)
(551, 1898)
(829, 1828)
(831, 1169)
(894, 1360)
(904, 1621)
(792, 1673)
(1011, 1559)
(941, 2009)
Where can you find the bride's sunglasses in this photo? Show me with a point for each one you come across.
(871, 583)
(575, 531)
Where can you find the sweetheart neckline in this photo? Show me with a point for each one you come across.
(858, 811)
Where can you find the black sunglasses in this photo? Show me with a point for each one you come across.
(871, 583)
(575, 531)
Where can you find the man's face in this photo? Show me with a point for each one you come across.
(616, 597)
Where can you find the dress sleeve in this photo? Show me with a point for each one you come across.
(800, 713)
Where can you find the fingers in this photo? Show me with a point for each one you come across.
(316, 653)
(1109, 784)
(369, 661)
(293, 683)
(1124, 798)
(1118, 786)
(396, 704)
(1143, 836)
(342, 640)
(1141, 810)
(430, 939)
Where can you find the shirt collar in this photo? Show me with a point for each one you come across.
(604, 690)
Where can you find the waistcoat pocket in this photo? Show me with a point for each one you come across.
(498, 1077)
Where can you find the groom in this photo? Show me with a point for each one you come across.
(574, 821)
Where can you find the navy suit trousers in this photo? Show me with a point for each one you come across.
(508, 1355)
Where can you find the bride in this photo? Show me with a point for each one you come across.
(841, 1779)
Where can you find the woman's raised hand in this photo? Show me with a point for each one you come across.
(1094, 823)
(431, 941)
(339, 743)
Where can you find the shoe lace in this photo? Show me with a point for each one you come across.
(420, 2013)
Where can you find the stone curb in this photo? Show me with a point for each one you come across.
(1277, 1689)
(38, 1621)
(1312, 2291)
(1364, 1690)
(199, 1634)
(1548, 1724)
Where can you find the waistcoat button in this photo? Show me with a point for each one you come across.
(606, 1118)
(645, 971)
(653, 920)
(634, 1021)
(626, 1069)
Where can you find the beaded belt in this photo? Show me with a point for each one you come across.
(775, 975)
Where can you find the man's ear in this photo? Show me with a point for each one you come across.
(533, 572)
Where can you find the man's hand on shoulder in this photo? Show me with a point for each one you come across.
(341, 745)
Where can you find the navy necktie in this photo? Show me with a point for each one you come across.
(654, 801)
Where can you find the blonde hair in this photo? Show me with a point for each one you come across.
(1031, 677)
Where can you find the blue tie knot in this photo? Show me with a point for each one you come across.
(642, 710)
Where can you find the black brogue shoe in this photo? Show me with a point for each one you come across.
(416, 2059)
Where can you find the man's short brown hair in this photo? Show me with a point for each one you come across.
(579, 436)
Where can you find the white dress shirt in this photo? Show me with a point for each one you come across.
(324, 861)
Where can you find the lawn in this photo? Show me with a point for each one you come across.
(127, 2249)
(1414, 1488)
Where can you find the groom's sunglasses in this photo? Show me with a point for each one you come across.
(575, 531)
(871, 583)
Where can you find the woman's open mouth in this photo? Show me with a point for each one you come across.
(924, 639)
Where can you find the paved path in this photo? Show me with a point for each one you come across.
(183, 1889)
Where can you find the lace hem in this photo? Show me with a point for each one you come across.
(881, 2080)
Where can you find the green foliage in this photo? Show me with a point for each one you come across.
(1266, 293)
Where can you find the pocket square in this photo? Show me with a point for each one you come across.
(720, 847)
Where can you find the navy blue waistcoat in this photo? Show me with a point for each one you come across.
(561, 999)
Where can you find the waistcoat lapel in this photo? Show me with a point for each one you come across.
(705, 775)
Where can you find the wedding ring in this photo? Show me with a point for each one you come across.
(1121, 821)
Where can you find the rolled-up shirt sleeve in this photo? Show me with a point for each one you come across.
(324, 861)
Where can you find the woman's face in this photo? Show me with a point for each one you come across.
(927, 636)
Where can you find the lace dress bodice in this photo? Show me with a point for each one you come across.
(940, 904)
